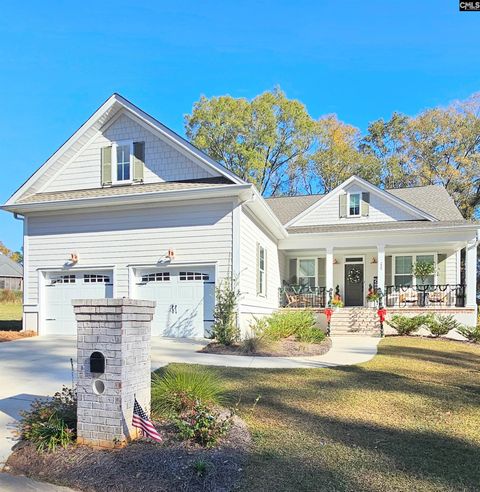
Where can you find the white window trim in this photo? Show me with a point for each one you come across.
(315, 262)
(359, 194)
(116, 144)
(263, 292)
(414, 260)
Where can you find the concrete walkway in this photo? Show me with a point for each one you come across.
(14, 483)
(35, 367)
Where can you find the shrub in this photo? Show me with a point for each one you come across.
(10, 296)
(310, 335)
(471, 333)
(51, 422)
(440, 325)
(284, 324)
(225, 328)
(406, 325)
(180, 387)
(202, 425)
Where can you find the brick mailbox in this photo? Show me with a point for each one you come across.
(113, 367)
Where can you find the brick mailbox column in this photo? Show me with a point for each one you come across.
(118, 334)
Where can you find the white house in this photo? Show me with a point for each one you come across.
(126, 207)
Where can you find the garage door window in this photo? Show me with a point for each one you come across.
(96, 279)
(156, 277)
(193, 276)
(64, 279)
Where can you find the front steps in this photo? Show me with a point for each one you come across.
(355, 321)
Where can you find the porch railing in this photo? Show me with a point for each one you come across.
(302, 296)
(448, 295)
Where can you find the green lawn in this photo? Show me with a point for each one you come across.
(407, 420)
(10, 316)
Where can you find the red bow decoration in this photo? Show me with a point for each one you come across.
(382, 314)
(328, 313)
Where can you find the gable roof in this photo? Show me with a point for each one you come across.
(90, 129)
(9, 268)
(431, 199)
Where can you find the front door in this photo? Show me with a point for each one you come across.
(354, 284)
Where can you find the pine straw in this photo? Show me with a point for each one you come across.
(287, 347)
(143, 465)
(9, 336)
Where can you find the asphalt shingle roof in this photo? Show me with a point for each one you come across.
(9, 268)
(125, 190)
(432, 199)
(376, 226)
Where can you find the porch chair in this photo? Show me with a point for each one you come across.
(410, 296)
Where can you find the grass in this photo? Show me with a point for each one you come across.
(407, 420)
(10, 316)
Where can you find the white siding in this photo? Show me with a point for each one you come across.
(380, 211)
(197, 232)
(251, 234)
(451, 268)
(162, 161)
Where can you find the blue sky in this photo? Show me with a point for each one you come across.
(360, 59)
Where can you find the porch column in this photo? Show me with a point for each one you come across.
(329, 268)
(471, 273)
(381, 267)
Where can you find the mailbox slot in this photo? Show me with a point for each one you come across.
(97, 363)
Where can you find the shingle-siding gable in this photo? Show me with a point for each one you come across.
(162, 161)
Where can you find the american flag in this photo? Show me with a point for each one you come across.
(141, 421)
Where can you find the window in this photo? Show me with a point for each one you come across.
(156, 277)
(64, 279)
(354, 205)
(123, 153)
(403, 270)
(193, 276)
(307, 272)
(261, 271)
(90, 278)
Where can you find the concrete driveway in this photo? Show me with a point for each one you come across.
(35, 367)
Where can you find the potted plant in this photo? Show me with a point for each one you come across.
(337, 302)
(422, 270)
(372, 297)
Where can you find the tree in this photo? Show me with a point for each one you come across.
(264, 140)
(439, 146)
(14, 255)
(337, 156)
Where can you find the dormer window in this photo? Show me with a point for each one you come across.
(354, 200)
(123, 153)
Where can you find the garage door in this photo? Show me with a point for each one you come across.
(185, 300)
(62, 287)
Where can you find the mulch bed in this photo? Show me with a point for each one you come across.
(142, 465)
(288, 347)
(8, 336)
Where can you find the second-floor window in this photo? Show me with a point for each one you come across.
(123, 157)
(354, 205)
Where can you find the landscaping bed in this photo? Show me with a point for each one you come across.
(287, 347)
(142, 465)
(10, 316)
(9, 336)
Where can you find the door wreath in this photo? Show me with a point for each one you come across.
(354, 276)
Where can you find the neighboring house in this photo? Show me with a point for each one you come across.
(11, 274)
(127, 208)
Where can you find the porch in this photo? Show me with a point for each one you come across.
(361, 276)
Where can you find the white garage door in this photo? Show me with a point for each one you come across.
(185, 299)
(62, 287)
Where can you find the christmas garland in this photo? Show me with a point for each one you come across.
(354, 276)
